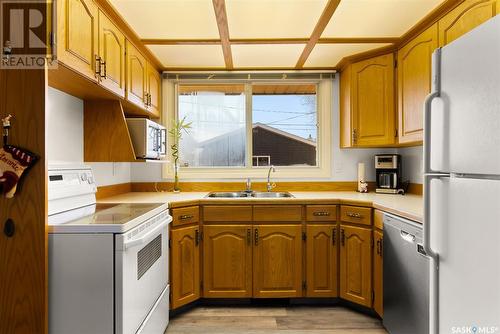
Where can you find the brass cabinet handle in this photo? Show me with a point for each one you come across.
(342, 237)
(197, 237)
(184, 217)
(354, 215)
(354, 136)
(321, 213)
(149, 99)
(380, 244)
(249, 237)
(378, 247)
(334, 236)
(256, 236)
(102, 64)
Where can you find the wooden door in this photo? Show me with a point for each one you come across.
(227, 261)
(277, 261)
(414, 84)
(355, 264)
(321, 260)
(136, 68)
(77, 26)
(154, 90)
(378, 271)
(112, 53)
(372, 100)
(185, 265)
(465, 17)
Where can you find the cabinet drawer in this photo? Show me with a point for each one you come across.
(277, 213)
(187, 215)
(356, 215)
(227, 213)
(316, 213)
(378, 219)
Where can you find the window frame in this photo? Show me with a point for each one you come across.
(324, 97)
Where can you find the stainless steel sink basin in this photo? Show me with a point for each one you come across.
(255, 194)
(272, 195)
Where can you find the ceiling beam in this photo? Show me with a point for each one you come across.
(221, 17)
(325, 17)
(216, 41)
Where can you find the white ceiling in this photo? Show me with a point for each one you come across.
(191, 20)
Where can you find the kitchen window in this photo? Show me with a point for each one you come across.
(239, 129)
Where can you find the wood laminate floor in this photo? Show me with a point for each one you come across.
(274, 320)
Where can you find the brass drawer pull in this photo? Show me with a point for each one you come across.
(321, 213)
(354, 215)
(184, 217)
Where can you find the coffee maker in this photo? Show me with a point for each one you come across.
(388, 173)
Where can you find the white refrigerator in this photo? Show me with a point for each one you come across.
(462, 183)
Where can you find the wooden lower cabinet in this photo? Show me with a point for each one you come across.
(277, 261)
(378, 271)
(185, 265)
(356, 264)
(321, 260)
(227, 261)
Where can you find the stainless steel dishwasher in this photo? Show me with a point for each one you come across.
(406, 278)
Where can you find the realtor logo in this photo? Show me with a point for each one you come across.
(26, 28)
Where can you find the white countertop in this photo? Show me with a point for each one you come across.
(408, 206)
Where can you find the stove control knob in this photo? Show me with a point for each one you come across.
(83, 177)
(90, 180)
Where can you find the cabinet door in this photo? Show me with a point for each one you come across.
(321, 260)
(372, 100)
(112, 53)
(227, 261)
(465, 17)
(277, 261)
(355, 264)
(378, 283)
(414, 84)
(154, 90)
(77, 26)
(185, 265)
(136, 76)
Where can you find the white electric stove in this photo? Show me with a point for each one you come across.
(108, 263)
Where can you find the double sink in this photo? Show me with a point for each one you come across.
(252, 194)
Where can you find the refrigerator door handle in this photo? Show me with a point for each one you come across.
(436, 92)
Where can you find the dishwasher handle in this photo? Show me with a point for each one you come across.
(407, 237)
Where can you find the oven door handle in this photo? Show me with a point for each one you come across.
(148, 236)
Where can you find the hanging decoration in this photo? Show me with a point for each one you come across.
(14, 161)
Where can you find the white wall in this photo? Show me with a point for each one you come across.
(344, 161)
(65, 138)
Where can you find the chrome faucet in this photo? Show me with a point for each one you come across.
(249, 186)
(270, 185)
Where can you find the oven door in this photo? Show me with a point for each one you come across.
(141, 272)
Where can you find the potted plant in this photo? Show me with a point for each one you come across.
(178, 127)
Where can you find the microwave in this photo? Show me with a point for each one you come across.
(148, 138)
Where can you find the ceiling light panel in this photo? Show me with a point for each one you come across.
(380, 18)
(189, 56)
(329, 55)
(266, 55)
(169, 19)
(273, 18)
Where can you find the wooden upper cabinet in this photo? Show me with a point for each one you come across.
(185, 265)
(367, 107)
(277, 261)
(414, 84)
(77, 27)
(378, 272)
(153, 81)
(227, 261)
(112, 56)
(321, 260)
(356, 264)
(466, 17)
(136, 76)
